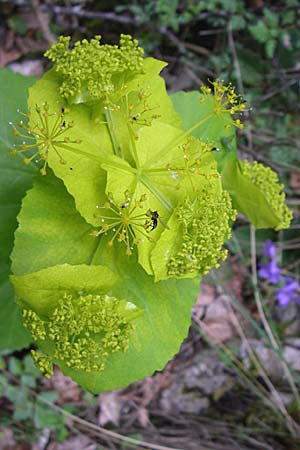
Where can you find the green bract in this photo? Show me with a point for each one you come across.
(266, 180)
(256, 192)
(132, 208)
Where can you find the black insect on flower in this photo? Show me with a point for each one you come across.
(152, 223)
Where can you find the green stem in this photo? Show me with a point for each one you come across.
(157, 193)
(133, 147)
(179, 139)
(131, 134)
(111, 129)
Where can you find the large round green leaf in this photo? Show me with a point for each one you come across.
(192, 110)
(164, 324)
(15, 179)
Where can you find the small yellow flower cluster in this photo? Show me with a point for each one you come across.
(45, 134)
(192, 161)
(33, 324)
(139, 110)
(203, 224)
(83, 332)
(88, 69)
(124, 221)
(226, 101)
(267, 181)
(43, 362)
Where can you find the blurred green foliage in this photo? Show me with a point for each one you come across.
(20, 385)
(267, 26)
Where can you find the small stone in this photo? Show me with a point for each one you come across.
(292, 357)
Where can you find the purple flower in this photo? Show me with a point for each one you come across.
(270, 271)
(286, 41)
(269, 249)
(289, 292)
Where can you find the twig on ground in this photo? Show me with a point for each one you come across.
(76, 10)
(43, 21)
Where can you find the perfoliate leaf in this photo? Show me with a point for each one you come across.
(159, 331)
(68, 312)
(171, 167)
(14, 180)
(78, 138)
(212, 116)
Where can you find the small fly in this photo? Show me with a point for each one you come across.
(153, 222)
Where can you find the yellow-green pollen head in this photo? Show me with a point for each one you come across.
(90, 70)
(195, 156)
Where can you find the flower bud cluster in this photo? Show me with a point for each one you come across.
(267, 181)
(91, 66)
(204, 225)
(82, 331)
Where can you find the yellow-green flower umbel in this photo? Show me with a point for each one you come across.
(46, 131)
(88, 70)
(226, 102)
(266, 180)
(82, 331)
